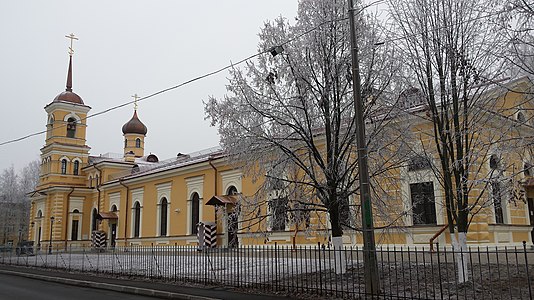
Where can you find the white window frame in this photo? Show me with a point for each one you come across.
(194, 185)
(419, 176)
(163, 191)
(501, 174)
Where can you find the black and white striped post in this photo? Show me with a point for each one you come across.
(210, 235)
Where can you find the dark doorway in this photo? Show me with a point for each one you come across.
(39, 239)
(94, 224)
(113, 233)
(195, 208)
(74, 230)
(531, 215)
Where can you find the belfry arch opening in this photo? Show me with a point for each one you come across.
(71, 127)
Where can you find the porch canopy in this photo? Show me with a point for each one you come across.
(107, 215)
(222, 200)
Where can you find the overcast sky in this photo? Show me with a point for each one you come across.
(124, 47)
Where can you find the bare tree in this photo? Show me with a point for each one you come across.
(10, 197)
(28, 180)
(518, 31)
(289, 118)
(9, 185)
(449, 48)
(13, 189)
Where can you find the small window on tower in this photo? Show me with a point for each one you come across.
(63, 166)
(76, 167)
(138, 143)
(125, 143)
(71, 127)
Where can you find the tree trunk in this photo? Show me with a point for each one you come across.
(461, 255)
(340, 263)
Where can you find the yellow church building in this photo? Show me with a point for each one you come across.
(138, 199)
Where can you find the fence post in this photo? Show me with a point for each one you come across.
(83, 257)
(526, 268)
(57, 254)
(174, 264)
(439, 271)
(113, 261)
(98, 260)
(276, 265)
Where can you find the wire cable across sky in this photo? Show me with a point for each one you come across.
(231, 65)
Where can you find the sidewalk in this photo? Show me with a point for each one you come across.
(137, 287)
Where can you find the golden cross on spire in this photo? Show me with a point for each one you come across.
(72, 38)
(135, 100)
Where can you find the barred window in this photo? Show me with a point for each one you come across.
(423, 203)
(278, 210)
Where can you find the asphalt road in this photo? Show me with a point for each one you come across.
(22, 288)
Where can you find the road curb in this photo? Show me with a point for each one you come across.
(110, 287)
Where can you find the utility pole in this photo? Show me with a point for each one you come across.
(370, 265)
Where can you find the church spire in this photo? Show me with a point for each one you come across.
(72, 37)
(68, 95)
(69, 76)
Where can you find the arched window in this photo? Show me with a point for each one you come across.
(497, 191)
(94, 221)
(97, 183)
(90, 181)
(232, 190)
(63, 166)
(163, 217)
(494, 162)
(75, 211)
(39, 214)
(521, 117)
(76, 167)
(71, 127)
(125, 143)
(136, 219)
(527, 169)
(137, 143)
(195, 212)
(114, 208)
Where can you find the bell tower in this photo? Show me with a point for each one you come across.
(65, 151)
(134, 132)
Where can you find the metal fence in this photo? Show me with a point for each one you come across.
(405, 273)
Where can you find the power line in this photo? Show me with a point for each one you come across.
(142, 98)
(249, 58)
(176, 86)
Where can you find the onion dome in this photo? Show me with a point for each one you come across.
(134, 126)
(68, 95)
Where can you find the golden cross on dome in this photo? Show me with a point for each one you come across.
(135, 100)
(72, 38)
